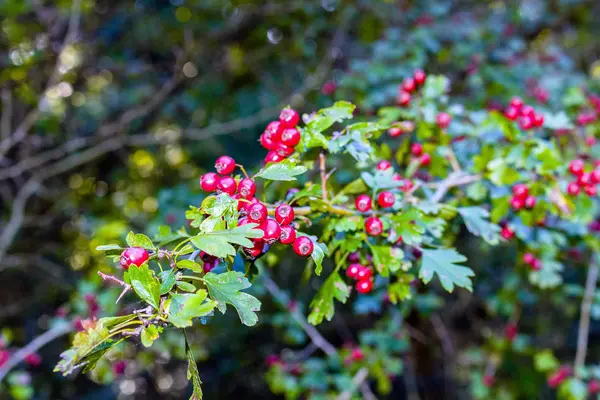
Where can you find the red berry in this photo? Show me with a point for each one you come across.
(511, 113)
(593, 387)
(507, 233)
(536, 265)
(271, 229)
(373, 226)
(364, 273)
(510, 331)
(403, 98)
(425, 159)
(520, 190)
(283, 150)
(573, 189)
(225, 165)
(227, 185)
(516, 102)
(352, 270)
(267, 142)
(290, 137)
(273, 130)
(288, 235)
(303, 246)
(584, 179)
(364, 286)
(33, 359)
(209, 182)
(489, 380)
(443, 120)
(383, 165)
(133, 256)
(119, 367)
(591, 190)
(517, 203)
(408, 85)
(538, 120)
(255, 250)
(386, 199)
(357, 354)
(395, 131)
(525, 122)
(590, 140)
(257, 213)
(576, 166)
(284, 214)
(363, 203)
(530, 202)
(595, 176)
(289, 118)
(419, 76)
(528, 258)
(416, 149)
(246, 188)
(527, 111)
(272, 156)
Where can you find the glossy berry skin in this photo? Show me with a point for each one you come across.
(225, 165)
(530, 202)
(395, 131)
(507, 233)
(273, 130)
(357, 354)
(255, 250)
(443, 120)
(517, 203)
(352, 270)
(386, 199)
(283, 150)
(516, 102)
(538, 120)
(536, 265)
(525, 122)
(593, 387)
(246, 188)
(416, 149)
(363, 203)
(383, 165)
(133, 256)
(409, 85)
(284, 214)
(425, 159)
(595, 176)
(528, 258)
(419, 76)
(373, 226)
(403, 99)
(511, 113)
(290, 137)
(584, 179)
(364, 273)
(303, 246)
(591, 190)
(573, 189)
(267, 142)
(273, 157)
(576, 166)
(527, 111)
(520, 190)
(209, 181)
(289, 118)
(288, 235)
(364, 286)
(271, 229)
(257, 213)
(227, 185)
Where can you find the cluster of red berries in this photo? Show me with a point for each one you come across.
(587, 117)
(280, 137)
(416, 149)
(401, 129)
(133, 256)
(585, 180)
(527, 116)
(521, 198)
(363, 276)
(222, 181)
(531, 260)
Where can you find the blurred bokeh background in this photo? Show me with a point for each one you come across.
(111, 110)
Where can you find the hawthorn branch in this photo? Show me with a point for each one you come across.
(110, 278)
(33, 346)
(357, 381)
(310, 330)
(454, 179)
(584, 319)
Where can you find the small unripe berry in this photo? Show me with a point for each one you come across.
(386, 199)
(352, 270)
(303, 246)
(419, 76)
(576, 166)
(289, 118)
(273, 157)
(364, 286)
(383, 165)
(443, 120)
(373, 226)
(364, 273)
(363, 203)
(227, 185)
(416, 149)
(573, 188)
(403, 98)
(257, 213)
(246, 188)
(520, 190)
(225, 165)
(290, 137)
(271, 230)
(288, 235)
(284, 214)
(209, 182)
(133, 256)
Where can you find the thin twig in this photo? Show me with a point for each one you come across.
(357, 380)
(323, 171)
(584, 320)
(126, 286)
(366, 391)
(453, 180)
(5, 118)
(33, 346)
(442, 332)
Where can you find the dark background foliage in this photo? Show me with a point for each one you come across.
(112, 109)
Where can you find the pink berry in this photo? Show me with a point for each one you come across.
(386, 199)
(525, 122)
(284, 214)
(288, 235)
(510, 331)
(538, 120)
(352, 270)
(489, 380)
(528, 258)
(363, 203)
(357, 354)
(584, 179)
(530, 202)
(272, 156)
(227, 185)
(283, 150)
(373, 226)
(33, 359)
(416, 149)
(267, 142)
(507, 233)
(246, 188)
(403, 98)
(133, 256)
(573, 189)
(408, 85)
(517, 203)
(425, 159)
(273, 130)
(576, 167)
(225, 165)
(257, 213)
(527, 111)
(303, 246)
(511, 113)
(383, 165)
(395, 131)
(209, 181)
(271, 230)
(595, 176)
(364, 273)
(536, 265)
(516, 102)
(591, 190)
(289, 118)
(364, 286)
(520, 190)
(443, 120)
(290, 137)
(256, 249)
(419, 76)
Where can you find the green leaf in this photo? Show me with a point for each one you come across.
(573, 389)
(149, 335)
(404, 225)
(548, 276)
(444, 263)
(167, 280)
(318, 253)
(145, 284)
(401, 290)
(435, 87)
(192, 370)
(476, 221)
(191, 265)
(218, 243)
(339, 111)
(322, 305)
(183, 308)
(282, 171)
(386, 258)
(139, 240)
(226, 289)
(186, 286)
(108, 247)
(545, 361)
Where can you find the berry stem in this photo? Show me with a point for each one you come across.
(241, 167)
